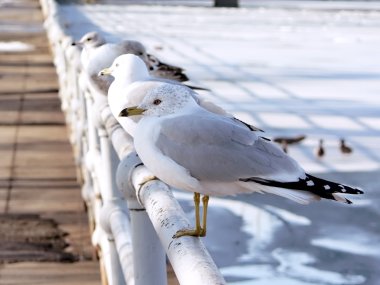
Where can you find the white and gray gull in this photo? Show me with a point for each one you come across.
(97, 54)
(131, 83)
(192, 149)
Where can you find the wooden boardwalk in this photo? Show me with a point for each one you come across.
(37, 171)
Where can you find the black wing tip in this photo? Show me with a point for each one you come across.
(250, 127)
(264, 138)
(359, 191)
(334, 187)
(198, 88)
(320, 187)
(183, 77)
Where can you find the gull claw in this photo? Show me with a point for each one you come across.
(147, 179)
(190, 232)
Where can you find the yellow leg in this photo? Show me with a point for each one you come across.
(198, 231)
(204, 218)
(197, 201)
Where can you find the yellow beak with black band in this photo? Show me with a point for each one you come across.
(105, 71)
(131, 111)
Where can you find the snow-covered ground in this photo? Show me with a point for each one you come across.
(312, 70)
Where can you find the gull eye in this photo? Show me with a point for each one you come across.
(157, 102)
(140, 53)
(89, 39)
(117, 65)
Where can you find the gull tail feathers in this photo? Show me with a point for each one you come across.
(301, 197)
(317, 187)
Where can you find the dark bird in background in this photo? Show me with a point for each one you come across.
(320, 151)
(289, 140)
(343, 147)
(285, 141)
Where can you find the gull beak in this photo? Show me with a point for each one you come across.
(131, 111)
(105, 71)
(78, 44)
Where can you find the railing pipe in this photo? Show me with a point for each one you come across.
(109, 166)
(188, 256)
(111, 261)
(115, 222)
(149, 258)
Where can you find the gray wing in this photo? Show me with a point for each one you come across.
(216, 148)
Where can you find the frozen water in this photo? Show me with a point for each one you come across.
(289, 217)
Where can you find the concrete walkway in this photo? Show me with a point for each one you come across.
(37, 171)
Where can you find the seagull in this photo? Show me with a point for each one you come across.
(344, 148)
(320, 151)
(98, 54)
(286, 141)
(195, 150)
(289, 140)
(132, 81)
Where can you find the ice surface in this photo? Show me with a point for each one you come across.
(289, 217)
(299, 265)
(355, 247)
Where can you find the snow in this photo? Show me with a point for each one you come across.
(295, 268)
(297, 264)
(355, 247)
(289, 217)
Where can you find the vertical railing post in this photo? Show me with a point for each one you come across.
(109, 194)
(149, 257)
(111, 262)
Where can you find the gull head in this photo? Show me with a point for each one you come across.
(91, 40)
(166, 99)
(136, 48)
(127, 67)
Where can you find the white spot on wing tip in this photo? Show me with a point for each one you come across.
(327, 187)
(310, 183)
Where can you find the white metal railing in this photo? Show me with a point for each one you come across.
(131, 230)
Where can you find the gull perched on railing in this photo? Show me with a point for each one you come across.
(97, 54)
(193, 149)
(131, 83)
